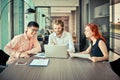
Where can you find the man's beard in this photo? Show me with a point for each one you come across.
(58, 33)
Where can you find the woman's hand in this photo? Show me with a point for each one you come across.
(71, 54)
(93, 59)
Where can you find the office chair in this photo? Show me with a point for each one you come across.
(40, 39)
(3, 59)
(46, 39)
(115, 65)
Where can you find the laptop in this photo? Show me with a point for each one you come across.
(56, 51)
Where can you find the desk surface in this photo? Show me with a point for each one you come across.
(61, 69)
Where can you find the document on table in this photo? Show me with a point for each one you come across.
(39, 62)
(41, 55)
(84, 55)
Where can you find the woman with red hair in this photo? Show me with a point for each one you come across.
(97, 48)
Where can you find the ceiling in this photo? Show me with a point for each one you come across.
(58, 6)
(62, 9)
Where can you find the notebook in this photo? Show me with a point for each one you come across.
(39, 62)
(56, 51)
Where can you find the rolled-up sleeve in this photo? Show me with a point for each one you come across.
(71, 44)
(50, 41)
(10, 47)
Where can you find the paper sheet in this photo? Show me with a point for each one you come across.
(41, 55)
(39, 62)
(84, 55)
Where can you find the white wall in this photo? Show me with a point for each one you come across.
(117, 12)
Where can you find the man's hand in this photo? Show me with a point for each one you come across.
(15, 55)
(24, 55)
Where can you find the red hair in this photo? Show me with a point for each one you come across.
(96, 32)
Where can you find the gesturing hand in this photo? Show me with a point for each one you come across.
(24, 55)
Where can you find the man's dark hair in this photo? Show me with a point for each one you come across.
(33, 23)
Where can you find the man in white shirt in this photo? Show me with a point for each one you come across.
(60, 36)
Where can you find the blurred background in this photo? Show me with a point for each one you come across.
(15, 15)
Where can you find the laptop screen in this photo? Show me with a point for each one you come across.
(58, 51)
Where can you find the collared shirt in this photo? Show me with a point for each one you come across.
(65, 39)
(21, 43)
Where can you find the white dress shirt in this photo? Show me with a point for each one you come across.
(65, 39)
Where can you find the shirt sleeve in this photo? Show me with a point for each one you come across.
(36, 47)
(71, 44)
(10, 47)
(50, 41)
